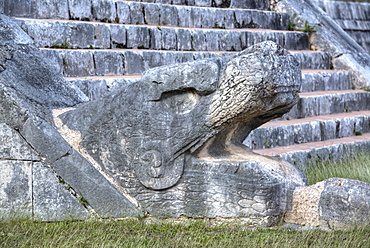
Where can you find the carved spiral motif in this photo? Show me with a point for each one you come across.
(155, 173)
(153, 159)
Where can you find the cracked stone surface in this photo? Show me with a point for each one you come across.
(14, 147)
(335, 203)
(15, 189)
(30, 88)
(173, 139)
(52, 200)
(330, 37)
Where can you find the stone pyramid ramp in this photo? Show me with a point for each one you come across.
(353, 17)
(101, 46)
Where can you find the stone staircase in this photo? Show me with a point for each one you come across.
(353, 17)
(101, 46)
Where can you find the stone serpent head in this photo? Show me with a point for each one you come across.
(201, 107)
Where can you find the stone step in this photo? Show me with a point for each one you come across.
(355, 20)
(98, 87)
(151, 13)
(313, 59)
(243, 4)
(347, 10)
(309, 129)
(354, 25)
(329, 102)
(100, 62)
(79, 34)
(362, 38)
(109, 62)
(320, 80)
(304, 155)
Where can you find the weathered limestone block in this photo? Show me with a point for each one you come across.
(288, 40)
(184, 40)
(134, 63)
(355, 10)
(56, 59)
(80, 9)
(48, 9)
(155, 38)
(296, 42)
(185, 16)
(188, 57)
(329, 104)
(226, 19)
(250, 4)
(78, 63)
(335, 203)
(318, 60)
(212, 40)
(173, 57)
(307, 132)
(169, 39)
(103, 10)
(15, 189)
(152, 59)
(196, 17)
(30, 88)
(72, 35)
(28, 188)
(152, 13)
(198, 41)
(354, 25)
(46, 33)
(173, 140)
(20, 8)
(340, 80)
(207, 17)
(36, 8)
(229, 41)
(108, 63)
(330, 37)
(137, 37)
(51, 199)
(242, 20)
(82, 35)
(203, 3)
(169, 16)
(102, 37)
(118, 36)
(361, 37)
(96, 89)
(178, 2)
(123, 12)
(136, 13)
(285, 135)
(13, 146)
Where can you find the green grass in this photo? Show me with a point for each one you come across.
(291, 25)
(308, 28)
(135, 233)
(190, 232)
(64, 45)
(356, 167)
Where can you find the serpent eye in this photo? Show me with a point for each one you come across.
(180, 101)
